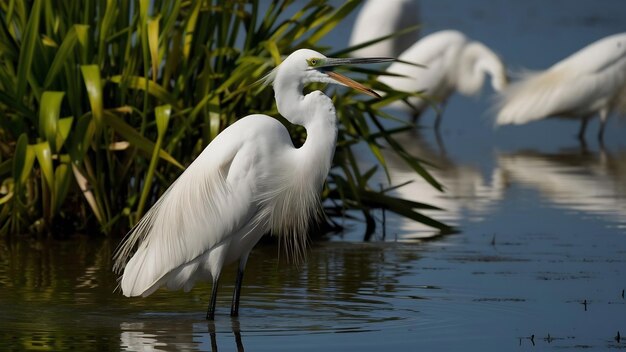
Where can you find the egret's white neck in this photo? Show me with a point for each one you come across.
(289, 100)
(316, 112)
(476, 61)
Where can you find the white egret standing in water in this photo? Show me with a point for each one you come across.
(591, 81)
(248, 181)
(378, 18)
(451, 62)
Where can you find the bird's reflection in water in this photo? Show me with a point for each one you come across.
(468, 193)
(236, 327)
(133, 338)
(579, 180)
(187, 336)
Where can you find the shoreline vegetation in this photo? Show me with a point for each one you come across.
(104, 102)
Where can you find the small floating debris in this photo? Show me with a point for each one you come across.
(531, 338)
(550, 338)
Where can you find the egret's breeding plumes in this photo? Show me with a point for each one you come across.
(450, 62)
(589, 82)
(250, 180)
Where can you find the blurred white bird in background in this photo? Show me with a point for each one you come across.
(451, 62)
(589, 82)
(248, 181)
(378, 18)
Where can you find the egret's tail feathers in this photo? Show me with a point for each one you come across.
(531, 98)
(135, 281)
(181, 227)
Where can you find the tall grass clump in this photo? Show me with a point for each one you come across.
(104, 102)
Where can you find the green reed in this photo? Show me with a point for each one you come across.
(104, 102)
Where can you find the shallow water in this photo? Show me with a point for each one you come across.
(539, 262)
(465, 291)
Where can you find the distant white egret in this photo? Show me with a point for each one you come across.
(452, 63)
(591, 81)
(378, 18)
(248, 181)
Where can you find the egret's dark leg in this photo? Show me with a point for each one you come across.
(603, 115)
(440, 115)
(601, 133)
(210, 314)
(234, 308)
(415, 116)
(437, 122)
(583, 127)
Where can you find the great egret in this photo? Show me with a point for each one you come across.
(378, 18)
(591, 81)
(248, 181)
(452, 62)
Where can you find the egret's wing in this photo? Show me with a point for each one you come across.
(416, 79)
(596, 57)
(535, 96)
(557, 92)
(578, 85)
(436, 52)
(193, 216)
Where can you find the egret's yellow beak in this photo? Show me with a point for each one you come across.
(343, 80)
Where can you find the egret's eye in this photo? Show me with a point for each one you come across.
(313, 62)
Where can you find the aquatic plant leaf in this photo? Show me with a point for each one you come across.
(154, 89)
(333, 20)
(7, 187)
(136, 139)
(87, 192)
(81, 138)
(23, 159)
(214, 116)
(93, 84)
(62, 181)
(63, 54)
(27, 49)
(162, 115)
(191, 20)
(44, 158)
(153, 44)
(107, 24)
(64, 127)
(49, 111)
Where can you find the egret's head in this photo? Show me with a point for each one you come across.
(306, 66)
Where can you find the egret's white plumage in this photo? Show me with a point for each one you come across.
(379, 18)
(248, 181)
(451, 62)
(592, 80)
